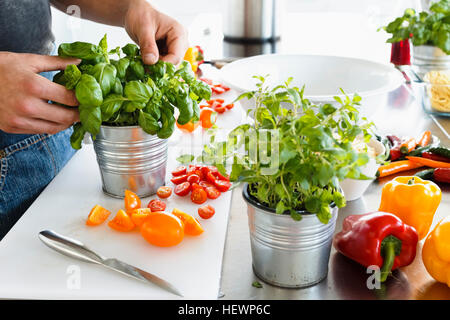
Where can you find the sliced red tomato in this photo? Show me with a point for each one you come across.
(229, 106)
(212, 101)
(182, 189)
(179, 171)
(206, 80)
(224, 87)
(195, 171)
(156, 205)
(217, 90)
(193, 178)
(222, 185)
(220, 109)
(205, 184)
(206, 212)
(198, 195)
(164, 192)
(179, 179)
(212, 192)
(220, 176)
(211, 178)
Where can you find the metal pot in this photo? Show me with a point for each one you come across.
(130, 159)
(427, 58)
(285, 252)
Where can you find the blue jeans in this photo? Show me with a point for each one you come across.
(27, 164)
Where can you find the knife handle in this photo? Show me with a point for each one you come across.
(69, 247)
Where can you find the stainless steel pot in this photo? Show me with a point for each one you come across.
(252, 20)
(285, 252)
(427, 58)
(130, 159)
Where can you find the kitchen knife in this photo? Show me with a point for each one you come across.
(75, 249)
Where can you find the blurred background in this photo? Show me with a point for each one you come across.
(331, 27)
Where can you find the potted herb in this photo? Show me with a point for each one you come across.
(129, 110)
(291, 160)
(429, 32)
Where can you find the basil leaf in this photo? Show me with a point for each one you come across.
(148, 123)
(71, 76)
(138, 91)
(91, 118)
(77, 136)
(105, 74)
(111, 104)
(88, 91)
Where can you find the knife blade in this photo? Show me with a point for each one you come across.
(75, 249)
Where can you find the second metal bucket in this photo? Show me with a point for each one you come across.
(429, 58)
(130, 159)
(285, 252)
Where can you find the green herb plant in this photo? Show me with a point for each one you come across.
(310, 147)
(424, 28)
(126, 92)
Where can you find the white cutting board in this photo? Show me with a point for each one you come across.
(31, 270)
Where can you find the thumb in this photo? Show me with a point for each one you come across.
(42, 63)
(149, 49)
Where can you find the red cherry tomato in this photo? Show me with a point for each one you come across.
(156, 205)
(164, 192)
(193, 178)
(182, 189)
(222, 185)
(179, 171)
(205, 184)
(206, 212)
(212, 192)
(220, 109)
(198, 195)
(229, 106)
(220, 176)
(179, 179)
(211, 178)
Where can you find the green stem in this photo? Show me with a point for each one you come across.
(388, 260)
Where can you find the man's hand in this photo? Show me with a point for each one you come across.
(145, 25)
(24, 95)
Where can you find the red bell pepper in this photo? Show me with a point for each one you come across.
(377, 238)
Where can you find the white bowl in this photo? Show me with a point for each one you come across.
(353, 189)
(323, 76)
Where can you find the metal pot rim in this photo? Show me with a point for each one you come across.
(121, 127)
(249, 199)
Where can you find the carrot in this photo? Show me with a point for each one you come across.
(429, 162)
(97, 216)
(397, 166)
(408, 145)
(425, 139)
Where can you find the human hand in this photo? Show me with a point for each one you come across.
(24, 95)
(145, 25)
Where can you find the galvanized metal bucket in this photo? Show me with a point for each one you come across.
(428, 58)
(285, 252)
(130, 159)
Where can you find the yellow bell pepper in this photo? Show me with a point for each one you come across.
(194, 55)
(436, 252)
(413, 200)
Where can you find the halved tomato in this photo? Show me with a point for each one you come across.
(206, 212)
(164, 192)
(182, 189)
(222, 185)
(179, 171)
(156, 205)
(132, 201)
(122, 222)
(212, 192)
(192, 226)
(198, 195)
(97, 216)
(179, 179)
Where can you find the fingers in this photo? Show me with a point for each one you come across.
(42, 63)
(55, 113)
(35, 126)
(149, 49)
(176, 41)
(48, 90)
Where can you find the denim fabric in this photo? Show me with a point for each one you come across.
(27, 164)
